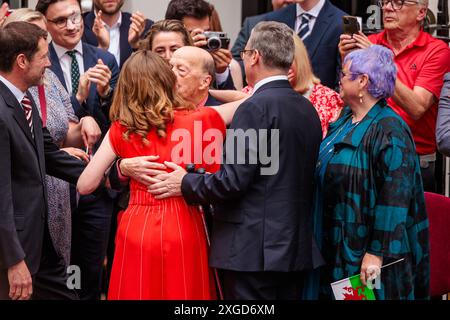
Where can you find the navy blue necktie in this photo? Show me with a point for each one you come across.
(304, 30)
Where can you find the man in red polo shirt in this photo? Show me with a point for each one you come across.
(422, 62)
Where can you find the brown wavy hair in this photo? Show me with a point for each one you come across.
(145, 95)
(165, 26)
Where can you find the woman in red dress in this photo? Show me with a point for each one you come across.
(161, 249)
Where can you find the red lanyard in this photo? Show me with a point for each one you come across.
(43, 103)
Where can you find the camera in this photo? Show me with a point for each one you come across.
(216, 41)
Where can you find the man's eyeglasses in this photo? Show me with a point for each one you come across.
(242, 52)
(396, 4)
(62, 22)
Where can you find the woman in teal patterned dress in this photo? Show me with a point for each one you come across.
(369, 204)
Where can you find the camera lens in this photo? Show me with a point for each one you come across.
(214, 43)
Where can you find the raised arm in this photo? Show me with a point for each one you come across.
(227, 110)
(93, 175)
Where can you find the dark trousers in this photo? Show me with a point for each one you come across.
(90, 233)
(239, 285)
(50, 282)
(429, 178)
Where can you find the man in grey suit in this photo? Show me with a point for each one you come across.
(443, 120)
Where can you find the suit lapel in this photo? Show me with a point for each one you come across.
(19, 114)
(56, 66)
(320, 29)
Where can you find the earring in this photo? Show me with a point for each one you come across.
(361, 97)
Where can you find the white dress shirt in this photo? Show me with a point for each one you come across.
(114, 38)
(66, 62)
(15, 91)
(314, 13)
(267, 80)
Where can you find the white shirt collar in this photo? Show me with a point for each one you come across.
(61, 51)
(116, 25)
(313, 12)
(267, 80)
(15, 91)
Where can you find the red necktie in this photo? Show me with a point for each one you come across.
(28, 109)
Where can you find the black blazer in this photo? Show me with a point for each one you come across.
(24, 161)
(322, 44)
(263, 222)
(125, 49)
(94, 105)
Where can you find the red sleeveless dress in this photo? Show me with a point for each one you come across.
(161, 248)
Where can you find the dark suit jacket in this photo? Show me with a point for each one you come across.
(322, 44)
(263, 222)
(212, 102)
(125, 49)
(94, 105)
(24, 161)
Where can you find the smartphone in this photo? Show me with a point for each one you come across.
(350, 25)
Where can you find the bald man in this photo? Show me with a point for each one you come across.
(194, 68)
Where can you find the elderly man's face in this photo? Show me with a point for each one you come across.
(410, 15)
(190, 76)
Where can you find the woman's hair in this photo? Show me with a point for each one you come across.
(145, 95)
(377, 62)
(305, 75)
(25, 15)
(166, 26)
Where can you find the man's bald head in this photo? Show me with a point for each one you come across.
(198, 59)
(194, 68)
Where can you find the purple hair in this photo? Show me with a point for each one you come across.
(377, 62)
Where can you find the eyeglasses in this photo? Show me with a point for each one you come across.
(75, 18)
(396, 4)
(342, 74)
(242, 52)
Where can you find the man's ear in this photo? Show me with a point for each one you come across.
(22, 61)
(422, 14)
(206, 82)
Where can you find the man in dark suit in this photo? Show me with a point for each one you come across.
(29, 265)
(261, 238)
(113, 30)
(247, 26)
(319, 24)
(89, 74)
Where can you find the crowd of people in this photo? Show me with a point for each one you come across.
(297, 158)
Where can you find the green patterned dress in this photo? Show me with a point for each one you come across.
(373, 202)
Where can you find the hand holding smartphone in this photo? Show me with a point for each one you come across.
(351, 25)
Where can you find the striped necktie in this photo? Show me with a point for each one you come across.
(304, 30)
(74, 71)
(28, 110)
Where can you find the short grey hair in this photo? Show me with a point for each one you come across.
(424, 3)
(275, 43)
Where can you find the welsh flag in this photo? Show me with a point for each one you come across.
(352, 289)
